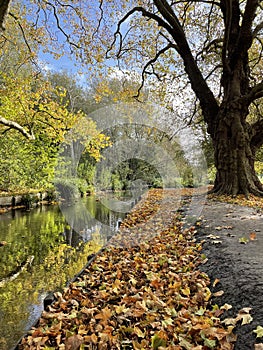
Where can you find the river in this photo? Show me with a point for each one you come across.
(41, 251)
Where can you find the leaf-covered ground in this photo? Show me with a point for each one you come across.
(250, 201)
(144, 291)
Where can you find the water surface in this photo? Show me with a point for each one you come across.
(45, 248)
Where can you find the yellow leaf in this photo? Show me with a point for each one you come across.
(258, 331)
(139, 332)
(186, 291)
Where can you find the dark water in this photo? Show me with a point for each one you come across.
(45, 248)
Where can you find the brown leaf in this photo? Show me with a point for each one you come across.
(104, 315)
(73, 342)
(252, 236)
(219, 293)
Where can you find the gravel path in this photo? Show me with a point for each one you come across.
(234, 247)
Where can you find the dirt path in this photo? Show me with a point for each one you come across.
(234, 247)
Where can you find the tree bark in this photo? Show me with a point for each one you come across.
(4, 8)
(13, 125)
(234, 154)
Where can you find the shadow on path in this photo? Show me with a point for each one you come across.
(233, 244)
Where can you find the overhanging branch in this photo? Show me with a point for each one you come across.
(16, 126)
(258, 28)
(58, 24)
(255, 93)
(144, 13)
(199, 85)
(151, 62)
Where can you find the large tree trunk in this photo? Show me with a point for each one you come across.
(234, 158)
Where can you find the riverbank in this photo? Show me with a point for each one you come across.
(144, 291)
(27, 199)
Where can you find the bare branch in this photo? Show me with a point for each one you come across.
(100, 19)
(246, 36)
(193, 113)
(16, 126)
(258, 28)
(67, 36)
(22, 31)
(209, 25)
(228, 24)
(210, 2)
(151, 62)
(144, 13)
(216, 43)
(219, 66)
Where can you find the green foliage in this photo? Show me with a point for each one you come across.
(25, 164)
(211, 173)
(116, 183)
(67, 188)
(103, 179)
(77, 98)
(43, 111)
(187, 178)
(55, 262)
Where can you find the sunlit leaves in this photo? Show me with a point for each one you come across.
(251, 201)
(43, 111)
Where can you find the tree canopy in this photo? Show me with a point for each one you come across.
(207, 52)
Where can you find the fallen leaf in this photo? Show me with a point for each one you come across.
(226, 307)
(230, 321)
(212, 236)
(185, 343)
(259, 346)
(216, 281)
(252, 236)
(245, 310)
(258, 331)
(157, 342)
(216, 242)
(210, 343)
(219, 293)
(139, 332)
(143, 291)
(243, 240)
(104, 315)
(246, 319)
(73, 342)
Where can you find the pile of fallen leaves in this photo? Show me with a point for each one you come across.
(145, 293)
(250, 201)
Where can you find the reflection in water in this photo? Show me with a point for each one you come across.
(58, 249)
